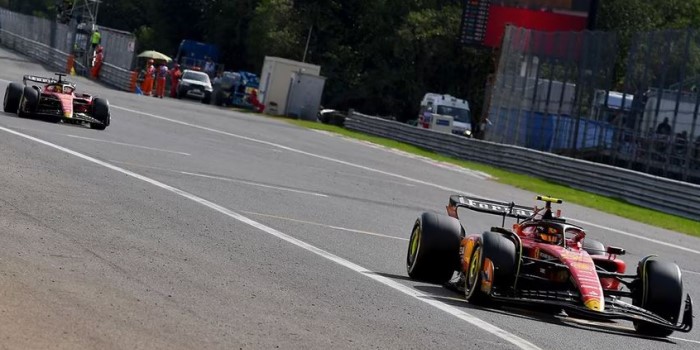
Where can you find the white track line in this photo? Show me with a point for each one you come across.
(323, 225)
(253, 184)
(406, 178)
(127, 144)
(473, 320)
(688, 340)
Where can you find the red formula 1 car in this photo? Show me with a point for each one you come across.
(57, 101)
(543, 260)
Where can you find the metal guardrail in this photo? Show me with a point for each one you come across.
(109, 74)
(666, 195)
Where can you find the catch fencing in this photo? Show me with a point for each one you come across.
(568, 93)
(54, 44)
(666, 195)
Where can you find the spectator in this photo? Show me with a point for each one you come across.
(175, 75)
(664, 128)
(97, 62)
(149, 73)
(161, 76)
(95, 39)
(209, 67)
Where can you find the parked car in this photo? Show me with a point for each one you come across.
(196, 85)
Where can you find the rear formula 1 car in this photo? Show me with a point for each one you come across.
(543, 260)
(56, 100)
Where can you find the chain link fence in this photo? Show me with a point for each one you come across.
(118, 45)
(557, 92)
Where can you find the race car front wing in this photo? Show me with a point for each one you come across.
(615, 309)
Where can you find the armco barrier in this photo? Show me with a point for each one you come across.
(109, 74)
(670, 196)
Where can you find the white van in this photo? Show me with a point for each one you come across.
(445, 113)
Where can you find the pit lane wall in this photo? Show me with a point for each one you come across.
(666, 195)
(49, 43)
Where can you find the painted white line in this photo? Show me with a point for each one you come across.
(447, 166)
(323, 225)
(253, 184)
(688, 340)
(223, 179)
(290, 149)
(127, 144)
(406, 178)
(474, 321)
(374, 178)
(586, 223)
(691, 272)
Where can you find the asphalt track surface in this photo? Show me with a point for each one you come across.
(189, 226)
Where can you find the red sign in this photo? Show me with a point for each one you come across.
(484, 21)
(500, 16)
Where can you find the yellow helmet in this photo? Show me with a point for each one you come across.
(549, 234)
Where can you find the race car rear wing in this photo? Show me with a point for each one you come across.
(488, 206)
(44, 80)
(36, 79)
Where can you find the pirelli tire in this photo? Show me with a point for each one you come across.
(501, 254)
(659, 289)
(28, 103)
(433, 249)
(100, 111)
(13, 95)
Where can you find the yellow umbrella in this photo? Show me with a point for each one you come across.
(155, 55)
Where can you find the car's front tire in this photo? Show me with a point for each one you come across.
(100, 111)
(13, 95)
(659, 289)
(498, 251)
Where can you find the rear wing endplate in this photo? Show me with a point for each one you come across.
(488, 206)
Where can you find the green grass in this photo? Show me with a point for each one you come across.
(606, 204)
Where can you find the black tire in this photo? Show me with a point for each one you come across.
(100, 111)
(659, 289)
(206, 99)
(433, 250)
(218, 98)
(502, 252)
(13, 94)
(180, 93)
(28, 103)
(593, 247)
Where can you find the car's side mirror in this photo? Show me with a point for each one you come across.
(615, 251)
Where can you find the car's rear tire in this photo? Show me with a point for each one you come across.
(100, 111)
(13, 95)
(593, 247)
(28, 103)
(502, 254)
(433, 250)
(659, 289)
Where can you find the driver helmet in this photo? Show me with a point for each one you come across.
(548, 234)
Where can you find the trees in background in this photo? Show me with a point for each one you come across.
(380, 56)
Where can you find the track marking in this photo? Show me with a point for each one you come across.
(323, 225)
(406, 178)
(221, 178)
(636, 236)
(473, 320)
(253, 184)
(688, 340)
(128, 145)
